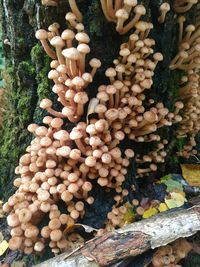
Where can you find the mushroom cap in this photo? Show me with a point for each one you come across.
(124, 52)
(150, 116)
(70, 94)
(119, 135)
(68, 111)
(46, 103)
(70, 16)
(120, 68)
(130, 2)
(110, 72)
(41, 34)
(58, 88)
(122, 14)
(83, 48)
(62, 68)
(111, 90)
(95, 63)
(140, 9)
(81, 98)
(71, 53)
(181, 19)
(158, 56)
(82, 37)
(141, 26)
(54, 27)
(68, 35)
(78, 81)
(61, 135)
(79, 27)
(103, 96)
(53, 74)
(190, 28)
(112, 114)
(54, 64)
(75, 134)
(87, 77)
(165, 7)
(56, 123)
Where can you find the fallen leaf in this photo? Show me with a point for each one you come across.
(88, 229)
(149, 213)
(162, 207)
(129, 216)
(171, 183)
(3, 247)
(175, 200)
(191, 174)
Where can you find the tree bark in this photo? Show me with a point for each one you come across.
(132, 240)
(27, 65)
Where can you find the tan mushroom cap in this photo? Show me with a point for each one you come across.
(82, 37)
(41, 34)
(81, 98)
(71, 53)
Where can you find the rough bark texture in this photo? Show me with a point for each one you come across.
(132, 240)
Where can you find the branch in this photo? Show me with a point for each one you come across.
(132, 240)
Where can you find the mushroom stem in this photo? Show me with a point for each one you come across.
(75, 10)
(48, 50)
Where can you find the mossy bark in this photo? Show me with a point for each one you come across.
(27, 65)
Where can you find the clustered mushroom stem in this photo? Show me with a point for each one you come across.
(75, 10)
(48, 50)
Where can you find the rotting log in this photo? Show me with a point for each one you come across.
(132, 240)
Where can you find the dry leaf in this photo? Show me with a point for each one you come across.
(88, 229)
(191, 174)
(91, 107)
(175, 200)
(3, 247)
(162, 207)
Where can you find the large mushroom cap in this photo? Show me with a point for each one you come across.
(57, 41)
(82, 37)
(75, 134)
(46, 103)
(122, 14)
(41, 34)
(68, 35)
(83, 48)
(71, 53)
(81, 98)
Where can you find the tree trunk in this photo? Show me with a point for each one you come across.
(27, 68)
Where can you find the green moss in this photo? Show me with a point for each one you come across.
(42, 65)
(20, 107)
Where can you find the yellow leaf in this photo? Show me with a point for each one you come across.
(3, 247)
(191, 173)
(176, 200)
(163, 207)
(149, 213)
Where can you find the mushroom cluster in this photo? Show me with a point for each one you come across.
(68, 73)
(120, 12)
(72, 4)
(182, 6)
(57, 173)
(172, 254)
(188, 59)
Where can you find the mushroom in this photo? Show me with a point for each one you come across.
(164, 8)
(42, 35)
